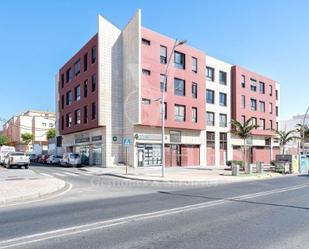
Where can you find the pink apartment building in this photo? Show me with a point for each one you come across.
(109, 92)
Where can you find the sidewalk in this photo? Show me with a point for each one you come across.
(19, 185)
(205, 175)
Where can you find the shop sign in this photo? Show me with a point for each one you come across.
(127, 141)
(148, 136)
(96, 138)
(115, 138)
(82, 140)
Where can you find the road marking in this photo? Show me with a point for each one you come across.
(29, 239)
(44, 174)
(69, 173)
(59, 174)
(81, 173)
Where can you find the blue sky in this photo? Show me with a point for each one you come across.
(266, 36)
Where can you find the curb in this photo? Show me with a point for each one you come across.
(217, 182)
(56, 187)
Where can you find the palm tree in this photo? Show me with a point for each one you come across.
(303, 131)
(244, 132)
(285, 137)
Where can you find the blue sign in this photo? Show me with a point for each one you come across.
(127, 141)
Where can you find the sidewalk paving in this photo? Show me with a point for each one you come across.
(206, 175)
(18, 185)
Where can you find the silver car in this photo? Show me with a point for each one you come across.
(70, 159)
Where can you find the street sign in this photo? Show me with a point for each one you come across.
(303, 164)
(115, 138)
(127, 142)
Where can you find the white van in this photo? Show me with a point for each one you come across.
(4, 150)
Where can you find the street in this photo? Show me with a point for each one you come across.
(106, 212)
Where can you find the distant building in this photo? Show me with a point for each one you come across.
(32, 121)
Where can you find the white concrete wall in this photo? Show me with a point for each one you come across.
(110, 89)
(219, 65)
(132, 80)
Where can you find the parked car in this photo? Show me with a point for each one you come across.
(70, 159)
(16, 159)
(33, 157)
(4, 150)
(43, 159)
(53, 159)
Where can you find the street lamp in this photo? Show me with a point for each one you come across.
(176, 44)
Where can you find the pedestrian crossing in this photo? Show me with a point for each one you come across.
(65, 174)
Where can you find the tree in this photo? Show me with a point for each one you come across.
(285, 137)
(26, 137)
(244, 132)
(303, 131)
(4, 140)
(51, 133)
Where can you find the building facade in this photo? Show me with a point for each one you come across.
(32, 121)
(108, 101)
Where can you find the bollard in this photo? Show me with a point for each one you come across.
(248, 168)
(235, 170)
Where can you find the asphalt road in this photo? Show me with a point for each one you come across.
(104, 212)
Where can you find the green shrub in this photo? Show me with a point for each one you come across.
(236, 162)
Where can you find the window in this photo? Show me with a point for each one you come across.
(51, 125)
(179, 87)
(44, 124)
(77, 116)
(254, 122)
(94, 111)
(180, 113)
(277, 125)
(93, 54)
(194, 90)
(85, 88)
(270, 90)
(146, 101)
(194, 114)
(163, 83)
(93, 82)
(69, 75)
(243, 119)
(145, 42)
(85, 114)
(69, 120)
(62, 80)
(210, 96)
(253, 104)
(69, 98)
(223, 141)
(222, 120)
(163, 55)
(179, 60)
(210, 137)
(262, 87)
(210, 118)
(243, 101)
(62, 101)
(210, 73)
(271, 124)
(262, 106)
(77, 93)
(271, 108)
(146, 72)
(62, 122)
(276, 94)
(85, 62)
(222, 77)
(243, 81)
(277, 111)
(222, 99)
(77, 67)
(253, 85)
(194, 65)
(262, 124)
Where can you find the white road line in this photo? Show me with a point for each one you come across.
(69, 173)
(139, 217)
(44, 174)
(59, 174)
(81, 173)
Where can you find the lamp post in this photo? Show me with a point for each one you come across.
(176, 44)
